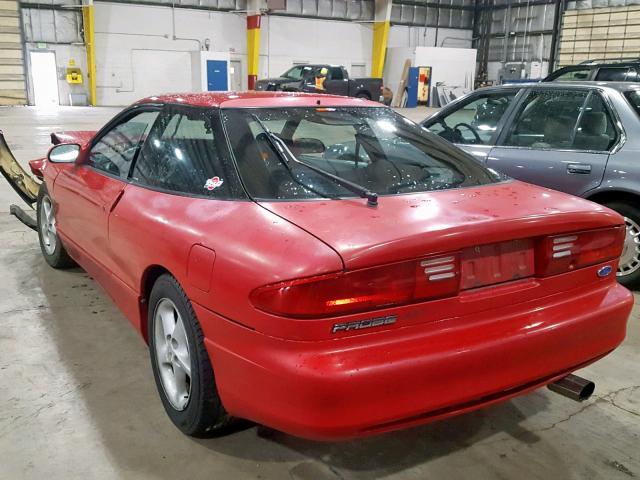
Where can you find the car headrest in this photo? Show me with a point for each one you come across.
(594, 123)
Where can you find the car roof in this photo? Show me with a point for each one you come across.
(619, 86)
(258, 99)
(613, 63)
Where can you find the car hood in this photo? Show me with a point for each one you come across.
(77, 136)
(278, 82)
(414, 225)
(274, 80)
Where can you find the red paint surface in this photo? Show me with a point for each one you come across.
(200, 267)
(80, 137)
(253, 21)
(440, 358)
(252, 81)
(258, 99)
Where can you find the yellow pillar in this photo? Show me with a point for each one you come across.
(253, 41)
(381, 27)
(89, 42)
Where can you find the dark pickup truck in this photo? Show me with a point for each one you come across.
(302, 78)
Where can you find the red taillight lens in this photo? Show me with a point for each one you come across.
(564, 253)
(360, 290)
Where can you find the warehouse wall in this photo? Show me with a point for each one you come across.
(127, 48)
(599, 33)
(57, 31)
(405, 36)
(134, 40)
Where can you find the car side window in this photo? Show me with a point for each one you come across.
(182, 155)
(562, 120)
(114, 151)
(475, 121)
(335, 73)
(612, 74)
(596, 130)
(573, 75)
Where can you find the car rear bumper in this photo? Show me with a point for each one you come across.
(376, 382)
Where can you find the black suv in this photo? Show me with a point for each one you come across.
(598, 70)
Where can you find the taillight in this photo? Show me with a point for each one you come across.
(564, 253)
(361, 290)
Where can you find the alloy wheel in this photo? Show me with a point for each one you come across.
(630, 259)
(172, 354)
(48, 225)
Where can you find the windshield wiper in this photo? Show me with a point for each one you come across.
(283, 151)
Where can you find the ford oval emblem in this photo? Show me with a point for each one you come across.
(605, 271)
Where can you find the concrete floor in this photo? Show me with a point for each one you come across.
(78, 400)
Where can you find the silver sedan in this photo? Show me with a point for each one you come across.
(580, 138)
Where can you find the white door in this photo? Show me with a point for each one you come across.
(44, 78)
(235, 72)
(358, 70)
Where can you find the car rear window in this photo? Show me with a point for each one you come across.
(572, 76)
(373, 147)
(612, 74)
(633, 97)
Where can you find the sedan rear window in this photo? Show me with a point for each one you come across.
(372, 147)
(633, 97)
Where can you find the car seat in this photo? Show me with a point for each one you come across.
(592, 132)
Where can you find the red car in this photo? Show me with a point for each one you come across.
(326, 267)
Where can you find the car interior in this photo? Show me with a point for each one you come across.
(353, 152)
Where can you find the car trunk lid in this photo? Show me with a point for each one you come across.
(481, 222)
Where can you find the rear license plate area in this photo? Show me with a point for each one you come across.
(497, 263)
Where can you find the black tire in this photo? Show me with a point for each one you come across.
(632, 279)
(58, 257)
(364, 95)
(203, 415)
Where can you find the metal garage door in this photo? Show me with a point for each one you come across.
(12, 82)
(599, 33)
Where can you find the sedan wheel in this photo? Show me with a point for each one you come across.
(628, 273)
(172, 354)
(630, 259)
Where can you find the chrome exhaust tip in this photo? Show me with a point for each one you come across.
(573, 387)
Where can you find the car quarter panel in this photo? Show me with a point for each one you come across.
(252, 246)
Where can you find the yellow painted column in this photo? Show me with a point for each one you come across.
(89, 42)
(253, 41)
(381, 28)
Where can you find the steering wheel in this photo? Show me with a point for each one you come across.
(471, 129)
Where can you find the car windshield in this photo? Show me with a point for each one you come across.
(373, 147)
(633, 97)
(298, 73)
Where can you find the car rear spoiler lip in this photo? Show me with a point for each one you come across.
(23, 183)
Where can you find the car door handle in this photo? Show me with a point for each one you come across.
(578, 168)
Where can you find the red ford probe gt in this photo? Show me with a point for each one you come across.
(326, 267)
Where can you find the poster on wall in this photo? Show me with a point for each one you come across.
(424, 85)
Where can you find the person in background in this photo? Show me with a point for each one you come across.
(321, 76)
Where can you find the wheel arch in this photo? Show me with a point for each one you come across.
(148, 279)
(604, 197)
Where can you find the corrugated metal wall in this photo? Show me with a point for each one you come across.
(522, 33)
(599, 33)
(434, 13)
(12, 81)
(580, 4)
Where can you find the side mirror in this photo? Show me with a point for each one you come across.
(64, 153)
